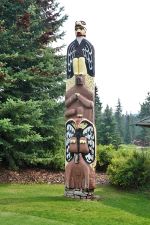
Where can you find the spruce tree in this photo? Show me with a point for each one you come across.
(145, 108)
(119, 121)
(107, 133)
(98, 114)
(144, 113)
(31, 81)
(127, 137)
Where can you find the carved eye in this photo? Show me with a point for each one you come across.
(83, 22)
(79, 27)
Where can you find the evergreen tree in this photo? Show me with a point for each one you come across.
(127, 137)
(31, 80)
(107, 133)
(134, 130)
(98, 114)
(145, 108)
(144, 113)
(119, 121)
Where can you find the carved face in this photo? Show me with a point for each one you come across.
(79, 80)
(80, 28)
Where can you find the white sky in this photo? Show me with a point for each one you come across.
(120, 33)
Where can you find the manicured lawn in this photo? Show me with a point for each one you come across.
(45, 204)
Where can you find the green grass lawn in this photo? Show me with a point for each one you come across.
(45, 204)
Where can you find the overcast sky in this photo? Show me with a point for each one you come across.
(120, 33)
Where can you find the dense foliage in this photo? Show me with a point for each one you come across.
(130, 169)
(144, 135)
(98, 115)
(104, 156)
(116, 128)
(31, 82)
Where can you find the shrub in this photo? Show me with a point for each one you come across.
(130, 169)
(104, 156)
(54, 161)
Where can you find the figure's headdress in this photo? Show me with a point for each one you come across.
(81, 24)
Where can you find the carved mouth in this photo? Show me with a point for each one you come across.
(79, 34)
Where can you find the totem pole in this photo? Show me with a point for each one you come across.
(80, 130)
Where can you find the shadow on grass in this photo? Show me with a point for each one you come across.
(134, 202)
(6, 201)
(9, 218)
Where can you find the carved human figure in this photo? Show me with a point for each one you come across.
(80, 53)
(79, 100)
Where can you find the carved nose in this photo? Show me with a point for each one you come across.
(76, 158)
(79, 80)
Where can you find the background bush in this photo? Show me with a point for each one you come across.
(130, 169)
(104, 156)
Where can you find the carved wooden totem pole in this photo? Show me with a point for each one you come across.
(80, 129)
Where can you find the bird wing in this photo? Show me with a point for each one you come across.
(70, 132)
(89, 133)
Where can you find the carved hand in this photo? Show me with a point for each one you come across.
(77, 95)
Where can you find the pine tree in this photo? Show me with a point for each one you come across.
(107, 133)
(127, 137)
(31, 80)
(98, 114)
(144, 113)
(119, 122)
(145, 108)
